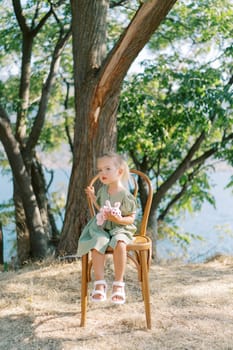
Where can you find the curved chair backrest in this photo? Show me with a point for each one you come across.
(134, 174)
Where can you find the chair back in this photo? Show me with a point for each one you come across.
(135, 174)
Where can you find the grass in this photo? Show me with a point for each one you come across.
(191, 309)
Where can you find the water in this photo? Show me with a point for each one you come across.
(214, 225)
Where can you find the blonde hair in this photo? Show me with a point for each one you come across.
(119, 162)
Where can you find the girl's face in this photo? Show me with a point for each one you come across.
(108, 171)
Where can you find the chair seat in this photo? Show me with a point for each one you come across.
(139, 243)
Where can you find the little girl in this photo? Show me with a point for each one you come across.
(116, 231)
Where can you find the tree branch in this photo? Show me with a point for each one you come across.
(19, 16)
(22, 21)
(24, 90)
(54, 66)
(184, 165)
(177, 196)
(187, 163)
(41, 23)
(172, 202)
(11, 147)
(117, 3)
(67, 129)
(145, 22)
(210, 151)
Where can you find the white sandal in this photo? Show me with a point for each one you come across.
(119, 294)
(99, 292)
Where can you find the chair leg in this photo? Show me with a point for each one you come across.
(145, 286)
(84, 287)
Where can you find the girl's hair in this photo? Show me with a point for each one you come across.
(119, 162)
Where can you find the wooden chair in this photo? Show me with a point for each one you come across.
(139, 251)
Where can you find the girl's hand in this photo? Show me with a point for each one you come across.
(113, 218)
(121, 220)
(90, 192)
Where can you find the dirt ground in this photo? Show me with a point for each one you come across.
(192, 308)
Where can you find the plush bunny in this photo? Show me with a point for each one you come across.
(115, 210)
(100, 217)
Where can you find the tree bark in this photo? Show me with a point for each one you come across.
(23, 234)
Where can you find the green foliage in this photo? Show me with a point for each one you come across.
(58, 201)
(119, 16)
(4, 164)
(183, 92)
(43, 46)
(7, 213)
(197, 24)
(175, 235)
(162, 110)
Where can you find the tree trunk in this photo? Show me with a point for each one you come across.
(23, 235)
(49, 225)
(98, 82)
(38, 240)
(40, 190)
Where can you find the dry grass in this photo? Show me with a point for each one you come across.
(192, 308)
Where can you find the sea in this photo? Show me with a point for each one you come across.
(214, 225)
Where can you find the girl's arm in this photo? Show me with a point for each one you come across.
(124, 220)
(90, 192)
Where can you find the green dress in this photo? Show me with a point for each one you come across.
(100, 237)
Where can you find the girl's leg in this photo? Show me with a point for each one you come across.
(98, 262)
(119, 260)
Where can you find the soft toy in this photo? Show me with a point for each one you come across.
(115, 210)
